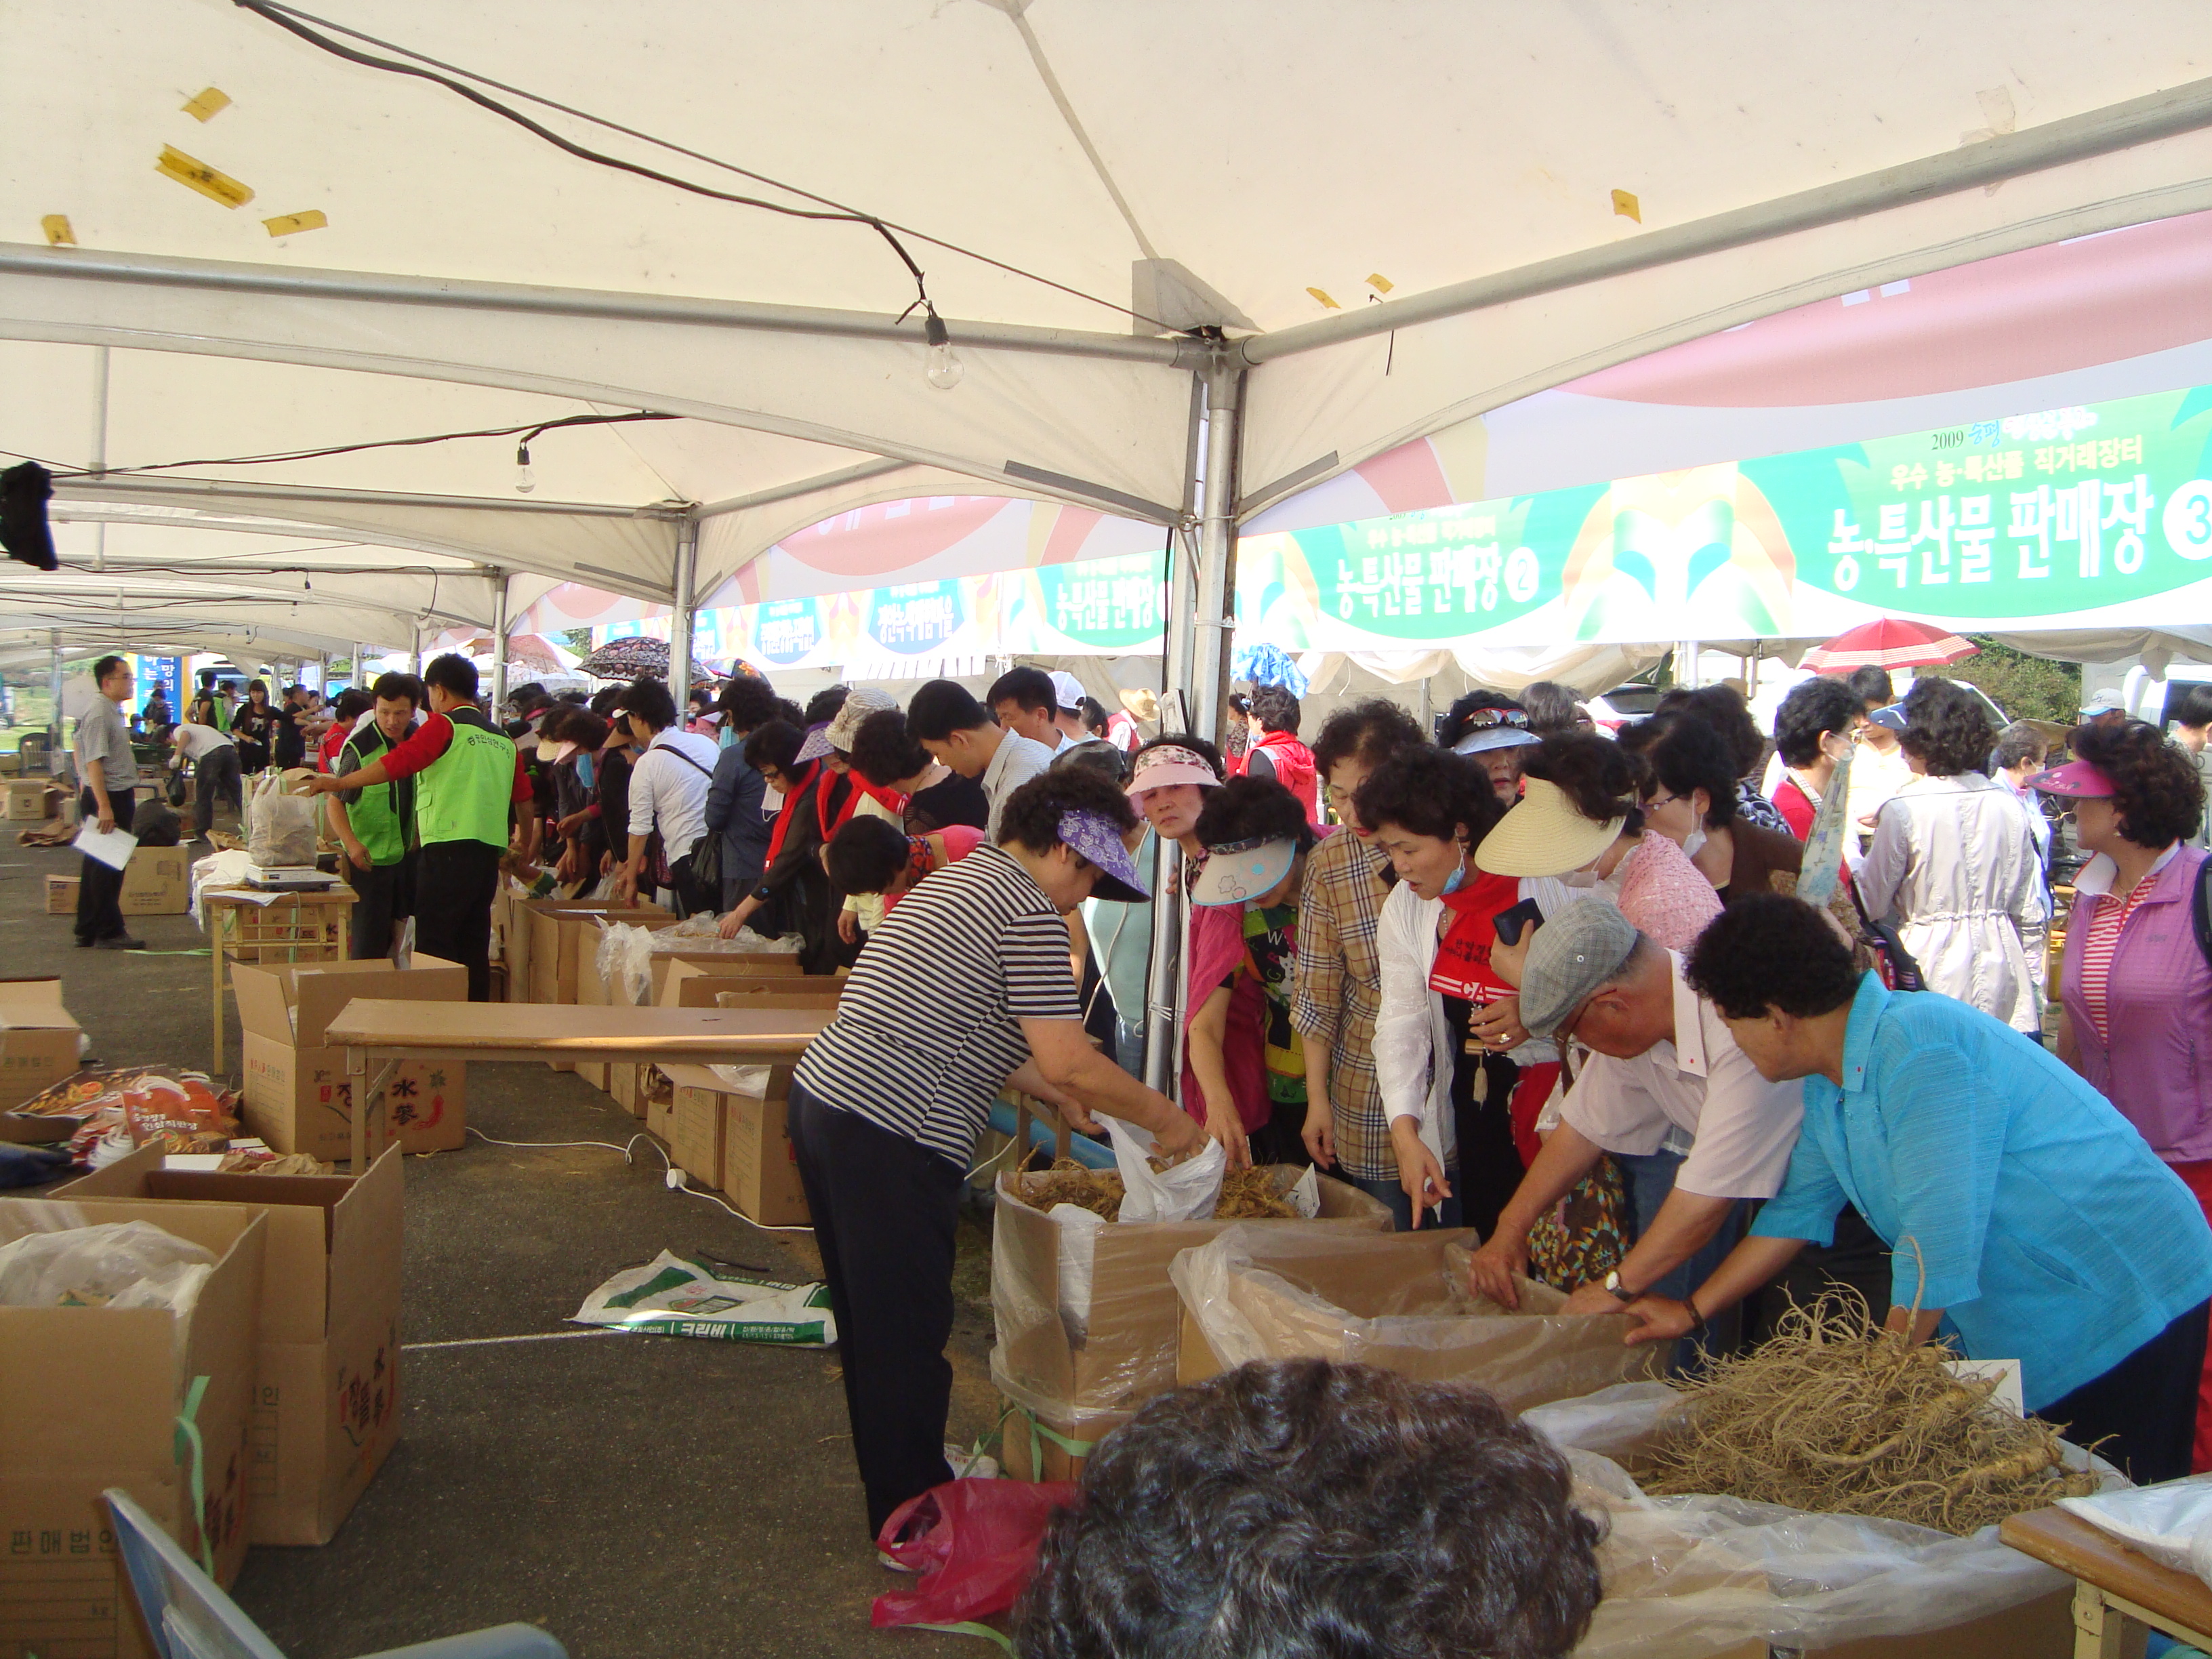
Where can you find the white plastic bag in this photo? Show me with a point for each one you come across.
(1190, 1191)
(117, 1264)
(280, 827)
(1079, 1261)
(2170, 1523)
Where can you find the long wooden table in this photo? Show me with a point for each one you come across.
(2118, 1594)
(379, 1033)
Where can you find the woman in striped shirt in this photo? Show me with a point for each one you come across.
(964, 991)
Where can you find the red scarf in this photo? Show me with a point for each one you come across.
(1463, 965)
(791, 798)
(832, 808)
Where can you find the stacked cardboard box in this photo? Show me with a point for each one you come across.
(157, 882)
(733, 1138)
(326, 1393)
(92, 1398)
(38, 1038)
(298, 1097)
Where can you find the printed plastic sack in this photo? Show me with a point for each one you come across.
(672, 1296)
(1190, 1191)
(976, 1547)
(117, 1264)
(280, 827)
(1698, 1575)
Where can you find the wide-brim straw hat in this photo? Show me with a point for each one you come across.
(1543, 835)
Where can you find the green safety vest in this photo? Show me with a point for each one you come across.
(463, 794)
(382, 817)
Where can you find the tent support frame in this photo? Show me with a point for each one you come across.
(683, 619)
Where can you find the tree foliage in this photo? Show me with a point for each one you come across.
(2024, 687)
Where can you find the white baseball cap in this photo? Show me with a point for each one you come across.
(1067, 691)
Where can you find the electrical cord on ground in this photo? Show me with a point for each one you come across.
(677, 1180)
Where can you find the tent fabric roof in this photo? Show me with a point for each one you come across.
(473, 276)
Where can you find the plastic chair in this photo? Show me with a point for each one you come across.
(189, 1617)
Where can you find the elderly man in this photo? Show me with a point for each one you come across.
(1664, 1061)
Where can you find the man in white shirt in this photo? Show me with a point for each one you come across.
(1025, 702)
(667, 793)
(946, 720)
(214, 759)
(1663, 1061)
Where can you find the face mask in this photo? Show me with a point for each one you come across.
(1581, 878)
(1693, 840)
(1458, 877)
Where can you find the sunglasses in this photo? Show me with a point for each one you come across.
(1487, 719)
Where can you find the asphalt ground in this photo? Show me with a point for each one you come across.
(640, 1498)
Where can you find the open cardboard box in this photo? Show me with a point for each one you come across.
(157, 882)
(696, 985)
(740, 1137)
(89, 1398)
(38, 1038)
(563, 935)
(25, 800)
(297, 1097)
(753, 963)
(326, 1393)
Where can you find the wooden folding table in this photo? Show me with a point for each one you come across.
(381, 1034)
(2118, 1594)
(290, 928)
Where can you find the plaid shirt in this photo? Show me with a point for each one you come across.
(1340, 991)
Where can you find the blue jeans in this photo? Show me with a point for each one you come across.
(1650, 1177)
(1446, 1215)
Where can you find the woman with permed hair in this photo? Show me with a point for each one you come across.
(2137, 990)
(1692, 796)
(1954, 864)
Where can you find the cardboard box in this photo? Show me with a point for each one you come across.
(591, 990)
(297, 1097)
(156, 883)
(720, 962)
(593, 1072)
(302, 928)
(622, 1083)
(11, 763)
(93, 1396)
(26, 801)
(695, 1140)
(657, 1102)
(1129, 1353)
(696, 985)
(61, 896)
(760, 1168)
(327, 1393)
(562, 935)
(38, 1038)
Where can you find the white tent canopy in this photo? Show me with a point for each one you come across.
(1237, 154)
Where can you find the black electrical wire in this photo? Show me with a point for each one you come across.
(269, 9)
(845, 216)
(526, 432)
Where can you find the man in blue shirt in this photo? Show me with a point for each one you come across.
(2046, 1229)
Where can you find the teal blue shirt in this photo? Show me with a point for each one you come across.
(2052, 1233)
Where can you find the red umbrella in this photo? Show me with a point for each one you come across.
(1889, 643)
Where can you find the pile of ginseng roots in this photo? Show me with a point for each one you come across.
(1246, 1194)
(1836, 1415)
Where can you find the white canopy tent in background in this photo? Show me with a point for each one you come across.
(1348, 229)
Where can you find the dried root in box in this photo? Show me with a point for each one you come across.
(1246, 1195)
(1836, 1415)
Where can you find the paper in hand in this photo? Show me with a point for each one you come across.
(113, 850)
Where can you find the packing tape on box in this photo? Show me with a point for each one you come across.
(1039, 1433)
(188, 1440)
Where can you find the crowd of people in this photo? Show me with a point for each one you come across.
(1522, 974)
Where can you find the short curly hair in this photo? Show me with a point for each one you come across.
(865, 855)
(1724, 709)
(1770, 951)
(1032, 813)
(1554, 709)
(1602, 780)
(2156, 788)
(648, 700)
(1947, 729)
(823, 705)
(1276, 709)
(1372, 731)
(1253, 809)
(1430, 792)
(747, 700)
(1823, 703)
(775, 744)
(886, 752)
(1299, 1507)
(1690, 755)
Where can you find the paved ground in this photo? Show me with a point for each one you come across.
(639, 1496)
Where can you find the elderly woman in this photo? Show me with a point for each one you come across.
(1454, 1062)
(1579, 821)
(1340, 978)
(1690, 797)
(1495, 730)
(1953, 863)
(2135, 988)
(964, 991)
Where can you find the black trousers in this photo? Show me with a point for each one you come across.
(99, 886)
(2144, 1408)
(213, 778)
(383, 897)
(455, 882)
(885, 1211)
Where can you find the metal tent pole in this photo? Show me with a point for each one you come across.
(54, 684)
(1216, 550)
(499, 647)
(683, 618)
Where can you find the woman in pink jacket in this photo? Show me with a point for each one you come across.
(2136, 984)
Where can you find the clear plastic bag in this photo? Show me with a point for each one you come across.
(280, 831)
(117, 1264)
(2170, 1523)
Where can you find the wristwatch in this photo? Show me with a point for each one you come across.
(1619, 1292)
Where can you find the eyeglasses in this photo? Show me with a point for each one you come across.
(1658, 801)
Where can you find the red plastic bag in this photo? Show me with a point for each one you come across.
(976, 1546)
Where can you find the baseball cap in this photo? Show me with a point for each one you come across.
(1543, 834)
(1170, 763)
(845, 725)
(1891, 719)
(1581, 948)
(1097, 840)
(2075, 780)
(1237, 871)
(1067, 691)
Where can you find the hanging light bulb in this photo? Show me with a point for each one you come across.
(944, 370)
(525, 479)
